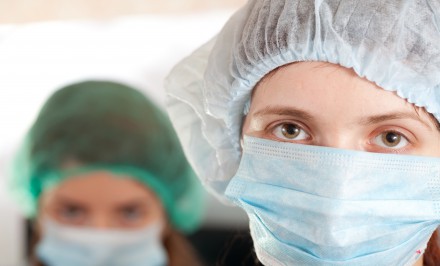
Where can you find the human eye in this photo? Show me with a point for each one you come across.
(391, 140)
(71, 214)
(131, 214)
(290, 131)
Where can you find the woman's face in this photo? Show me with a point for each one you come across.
(323, 104)
(102, 200)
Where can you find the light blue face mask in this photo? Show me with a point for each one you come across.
(312, 205)
(69, 246)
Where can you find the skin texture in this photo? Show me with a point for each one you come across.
(102, 200)
(322, 104)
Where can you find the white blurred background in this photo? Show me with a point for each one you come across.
(46, 44)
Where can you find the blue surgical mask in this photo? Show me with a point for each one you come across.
(70, 246)
(311, 205)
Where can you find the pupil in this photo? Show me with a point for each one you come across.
(392, 139)
(130, 213)
(71, 212)
(290, 131)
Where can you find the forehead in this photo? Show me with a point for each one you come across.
(102, 187)
(318, 86)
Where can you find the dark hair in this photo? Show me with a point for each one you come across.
(432, 253)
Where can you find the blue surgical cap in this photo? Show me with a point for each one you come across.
(394, 43)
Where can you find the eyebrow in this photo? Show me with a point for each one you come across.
(67, 201)
(286, 111)
(370, 120)
(393, 116)
(131, 203)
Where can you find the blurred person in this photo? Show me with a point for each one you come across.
(105, 182)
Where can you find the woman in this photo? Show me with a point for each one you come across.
(321, 120)
(103, 177)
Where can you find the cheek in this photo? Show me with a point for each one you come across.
(245, 126)
(44, 212)
(252, 127)
(158, 214)
(426, 144)
(156, 209)
(45, 206)
(432, 148)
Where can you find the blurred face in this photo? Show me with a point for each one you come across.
(102, 200)
(323, 104)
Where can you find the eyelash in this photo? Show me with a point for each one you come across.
(377, 133)
(272, 127)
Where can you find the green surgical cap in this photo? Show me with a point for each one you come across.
(103, 125)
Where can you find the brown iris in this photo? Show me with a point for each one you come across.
(391, 139)
(290, 131)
